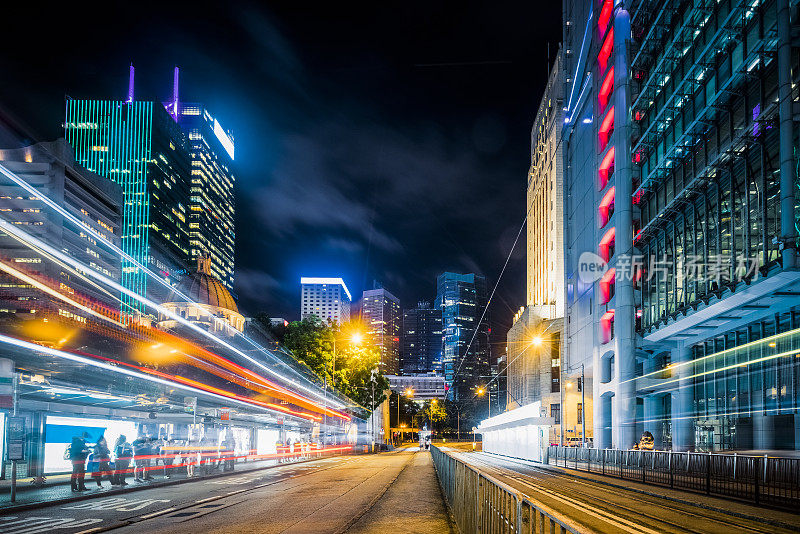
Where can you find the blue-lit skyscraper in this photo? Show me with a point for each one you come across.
(462, 299)
(139, 146)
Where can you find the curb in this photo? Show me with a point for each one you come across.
(119, 491)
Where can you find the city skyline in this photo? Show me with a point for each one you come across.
(272, 109)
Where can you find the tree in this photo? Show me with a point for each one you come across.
(311, 341)
(431, 411)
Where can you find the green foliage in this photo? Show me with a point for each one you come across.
(311, 342)
(432, 412)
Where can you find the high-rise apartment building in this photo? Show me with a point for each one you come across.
(423, 347)
(211, 202)
(682, 295)
(380, 312)
(463, 300)
(139, 146)
(326, 298)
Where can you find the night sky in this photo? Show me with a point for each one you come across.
(388, 142)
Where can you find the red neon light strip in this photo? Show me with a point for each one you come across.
(606, 128)
(605, 16)
(606, 242)
(605, 206)
(606, 167)
(606, 89)
(605, 50)
(605, 285)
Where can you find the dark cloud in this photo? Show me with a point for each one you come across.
(382, 141)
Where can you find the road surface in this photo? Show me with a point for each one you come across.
(388, 492)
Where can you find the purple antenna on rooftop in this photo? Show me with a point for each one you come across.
(130, 84)
(175, 94)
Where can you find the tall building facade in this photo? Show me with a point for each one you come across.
(465, 325)
(51, 169)
(422, 340)
(682, 298)
(212, 230)
(380, 312)
(327, 298)
(534, 366)
(139, 146)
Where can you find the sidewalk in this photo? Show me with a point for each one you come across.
(413, 503)
(57, 489)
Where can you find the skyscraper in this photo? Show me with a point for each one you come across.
(327, 298)
(422, 340)
(138, 145)
(681, 181)
(534, 362)
(380, 312)
(463, 299)
(211, 202)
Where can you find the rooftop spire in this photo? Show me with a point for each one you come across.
(130, 84)
(175, 93)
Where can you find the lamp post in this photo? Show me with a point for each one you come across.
(355, 339)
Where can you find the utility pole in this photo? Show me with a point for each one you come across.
(583, 405)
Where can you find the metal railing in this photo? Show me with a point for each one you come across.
(764, 480)
(481, 503)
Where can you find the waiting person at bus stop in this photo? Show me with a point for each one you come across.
(229, 446)
(140, 458)
(78, 451)
(124, 454)
(102, 457)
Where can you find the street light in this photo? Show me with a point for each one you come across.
(481, 391)
(355, 339)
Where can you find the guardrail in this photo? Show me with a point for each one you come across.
(481, 503)
(763, 480)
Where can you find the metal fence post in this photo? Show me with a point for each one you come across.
(671, 474)
(603, 461)
(708, 474)
(756, 469)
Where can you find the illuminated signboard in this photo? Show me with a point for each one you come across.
(223, 138)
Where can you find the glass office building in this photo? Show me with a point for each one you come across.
(463, 300)
(685, 112)
(212, 230)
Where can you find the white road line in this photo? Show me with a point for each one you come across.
(156, 514)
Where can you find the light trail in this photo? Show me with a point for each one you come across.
(761, 341)
(118, 369)
(14, 230)
(80, 224)
(50, 291)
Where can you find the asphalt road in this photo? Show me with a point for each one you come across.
(369, 493)
(607, 509)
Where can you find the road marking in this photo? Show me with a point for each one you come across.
(116, 504)
(156, 514)
(32, 525)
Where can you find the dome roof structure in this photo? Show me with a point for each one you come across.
(206, 303)
(201, 287)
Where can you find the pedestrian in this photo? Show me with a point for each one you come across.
(138, 458)
(78, 451)
(102, 457)
(123, 453)
(150, 450)
(230, 447)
